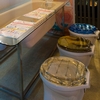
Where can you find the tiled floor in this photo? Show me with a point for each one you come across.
(92, 93)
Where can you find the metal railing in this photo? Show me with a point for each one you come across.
(88, 11)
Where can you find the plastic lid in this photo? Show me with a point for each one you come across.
(64, 71)
(82, 28)
(2, 47)
(74, 44)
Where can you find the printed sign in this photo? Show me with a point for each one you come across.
(66, 19)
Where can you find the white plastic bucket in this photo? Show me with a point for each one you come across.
(91, 37)
(83, 57)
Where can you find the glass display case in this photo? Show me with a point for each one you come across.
(22, 24)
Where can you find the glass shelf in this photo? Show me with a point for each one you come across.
(20, 26)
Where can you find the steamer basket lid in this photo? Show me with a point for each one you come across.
(64, 71)
(75, 44)
(82, 28)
